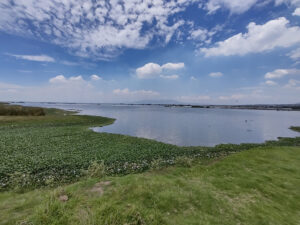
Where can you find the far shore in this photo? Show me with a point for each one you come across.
(276, 107)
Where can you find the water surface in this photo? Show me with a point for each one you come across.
(192, 126)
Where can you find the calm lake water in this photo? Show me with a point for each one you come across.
(191, 126)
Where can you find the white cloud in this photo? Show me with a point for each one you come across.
(193, 78)
(296, 12)
(78, 78)
(199, 34)
(194, 99)
(73, 89)
(270, 83)
(62, 79)
(37, 58)
(259, 38)
(95, 77)
(100, 29)
(203, 36)
(279, 73)
(59, 88)
(290, 2)
(103, 29)
(293, 84)
(58, 79)
(170, 77)
(238, 6)
(154, 70)
(121, 91)
(149, 70)
(216, 74)
(232, 97)
(173, 66)
(140, 93)
(235, 6)
(295, 54)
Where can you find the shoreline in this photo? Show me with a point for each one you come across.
(77, 112)
(61, 147)
(275, 107)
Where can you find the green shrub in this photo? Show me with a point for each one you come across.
(16, 110)
(97, 170)
(20, 181)
(158, 164)
(184, 161)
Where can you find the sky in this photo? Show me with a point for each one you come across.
(183, 51)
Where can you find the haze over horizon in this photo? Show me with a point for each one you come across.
(193, 52)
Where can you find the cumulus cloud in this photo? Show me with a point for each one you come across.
(62, 79)
(279, 73)
(95, 77)
(199, 34)
(235, 6)
(149, 70)
(296, 12)
(193, 78)
(173, 66)
(270, 83)
(77, 78)
(58, 79)
(140, 93)
(37, 58)
(295, 54)
(259, 38)
(93, 28)
(154, 70)
(202, 36)
(216, 74)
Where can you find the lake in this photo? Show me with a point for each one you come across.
(190, 126)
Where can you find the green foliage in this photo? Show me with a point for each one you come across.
(16, 110)
(295, 128)
(20, 181)
(157, 164)
(97, 170)
(184, 161)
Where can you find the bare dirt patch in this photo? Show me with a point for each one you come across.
(63, 198)
(99, 187)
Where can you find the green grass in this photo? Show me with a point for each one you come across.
(259, 186)
(295, 128)
(59, 148)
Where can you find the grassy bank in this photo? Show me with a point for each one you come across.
(59, 148)
(259, 186)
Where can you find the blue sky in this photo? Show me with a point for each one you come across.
(190, 51)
